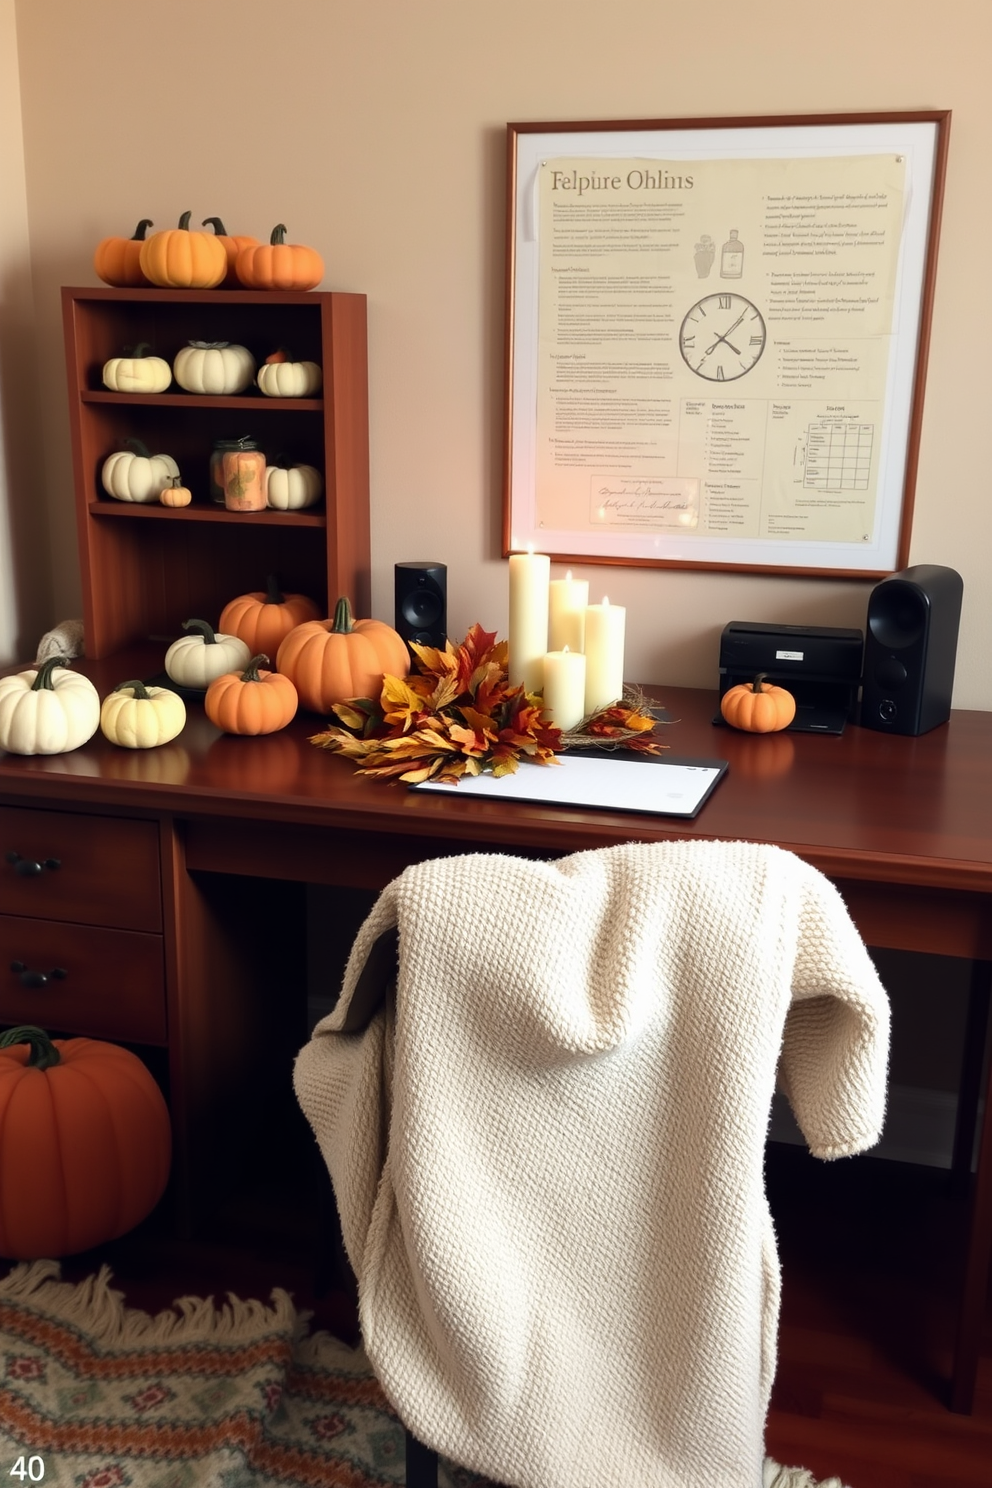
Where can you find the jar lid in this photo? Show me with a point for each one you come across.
(244, 443)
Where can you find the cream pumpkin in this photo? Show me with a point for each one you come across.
(289, 379)
(139, 717)
(133, 474)
(292, 487)
(141, 372)
(47, 711)
(217, 368)
(203, 654)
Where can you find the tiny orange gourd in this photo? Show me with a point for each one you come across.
(251, 702)
(117, 261)
(330, 661)
(278, 264)
(176, 494)
(263, 619)
(758, 707)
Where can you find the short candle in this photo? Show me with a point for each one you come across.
(605, 624)
(565, 688)
(567, 601)
(530, 573)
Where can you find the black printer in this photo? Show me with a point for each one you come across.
(820, 665)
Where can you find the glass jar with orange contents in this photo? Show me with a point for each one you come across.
(244, 477)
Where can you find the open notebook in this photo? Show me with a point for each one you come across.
(656, 784)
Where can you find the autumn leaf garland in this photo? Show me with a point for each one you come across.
(458, 715)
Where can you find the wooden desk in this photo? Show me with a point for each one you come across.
(179, 916)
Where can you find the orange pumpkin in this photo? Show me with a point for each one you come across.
(251, 702)
(279, 265)
(176, 494)
(264, 620)
(232, 247)
(329, 661)
(117, 261)
(758, 707)
(182, 259)
(86, 1148)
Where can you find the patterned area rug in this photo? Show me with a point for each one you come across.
(96, 1395)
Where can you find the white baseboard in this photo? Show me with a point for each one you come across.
(919, 1126)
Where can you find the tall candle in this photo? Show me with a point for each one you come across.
(605, 625)
(567, 601)
(530, 574)
(565, 687)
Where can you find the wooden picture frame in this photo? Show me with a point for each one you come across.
(748, 396)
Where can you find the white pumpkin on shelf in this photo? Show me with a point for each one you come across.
(134, 474)
(137, 372)
(279, 377)
(48, 710)
(139, 717)
(292, 487)
(203, 654)
(216, 368)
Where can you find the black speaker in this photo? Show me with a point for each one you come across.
(422, 603)
(911, 640)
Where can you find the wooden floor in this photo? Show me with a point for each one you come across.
(869, 1252)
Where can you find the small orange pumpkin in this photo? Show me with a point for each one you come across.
(232, 247)
(278, 264)
(117, 261)
(176, 494)
(329, 661)
(87, 1143)
(251, 702)
(758, 707)
(264, 620)
(183, 259)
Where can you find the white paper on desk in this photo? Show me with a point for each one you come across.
(661, 787)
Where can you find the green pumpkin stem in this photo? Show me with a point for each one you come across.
(43, 1052)
(137, 447)
(202, 628)
(250, 673)
(43, 681)
(137, 687)
(342, 618)
(278, 234)
(273, 594)
(216, 224)
(138, 236)
(184, 221)
(757, 684)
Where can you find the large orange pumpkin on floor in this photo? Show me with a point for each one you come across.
(329, 661)
(85, 1144)
(263, 620)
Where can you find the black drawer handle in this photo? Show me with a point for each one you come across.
(31, 978)
(28, 867)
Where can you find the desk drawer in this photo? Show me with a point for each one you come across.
(107, 873)
(113, 987)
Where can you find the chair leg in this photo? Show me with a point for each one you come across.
(421, 1464)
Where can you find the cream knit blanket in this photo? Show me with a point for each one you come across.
(547, 1148)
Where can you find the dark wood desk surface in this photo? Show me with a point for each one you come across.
(903, 825)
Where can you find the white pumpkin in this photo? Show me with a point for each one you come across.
(132, 474)
(140, 717)
(137, 373)
(289, 379)
(196, 659)
(219, 368)
(290, 488)
(48, 711)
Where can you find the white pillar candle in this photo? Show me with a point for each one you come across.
(530, 574)
(567, 601)
(565, 688)
(604, 655)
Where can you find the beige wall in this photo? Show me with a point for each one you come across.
(375, 130)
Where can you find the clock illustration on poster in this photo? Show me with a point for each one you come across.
(722, 337)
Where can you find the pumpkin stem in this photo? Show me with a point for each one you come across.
(273, 594)
(756, 685)
(142, 349)
(138, 236)
(137, 447)
(184, 221)
(278, 234)
(202, 628)
(137, 687)
(342, 618)
(43, 682)
(43, 1052)
(216, 224)
(250, 673)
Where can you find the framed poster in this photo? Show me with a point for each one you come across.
(716, 339)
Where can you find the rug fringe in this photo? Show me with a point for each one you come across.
(95, 1306)
(775, 1476)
